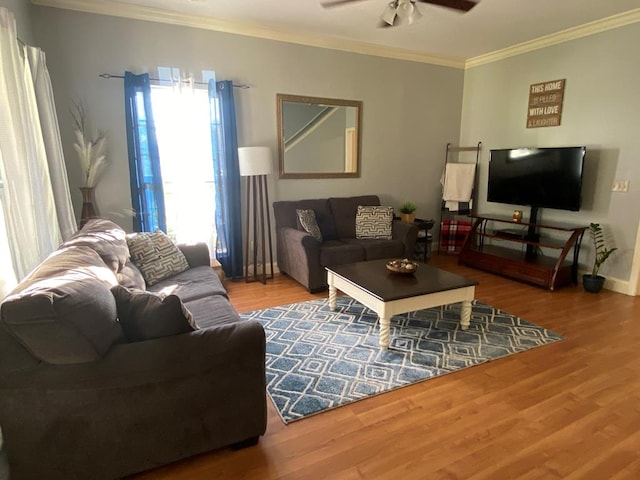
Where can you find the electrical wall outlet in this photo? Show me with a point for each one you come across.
(620, 186)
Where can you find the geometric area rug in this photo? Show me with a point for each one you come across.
(318, 359)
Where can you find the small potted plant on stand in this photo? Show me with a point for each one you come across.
(592, 282)
(408, 212)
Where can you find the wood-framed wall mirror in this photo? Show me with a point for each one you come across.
(318, 137)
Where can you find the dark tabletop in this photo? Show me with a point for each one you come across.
(374, 277)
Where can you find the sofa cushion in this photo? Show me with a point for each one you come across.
(307, 219)
(191, 284)
(344, 213)
(375, 249)
(285, 215)
(145, 315)
(212, 311)
(336, 252)
(374, 222)
(63, 312)
(156, 256)
(106, 238)
(131, 277)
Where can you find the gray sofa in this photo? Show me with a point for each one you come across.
(79, 401)
(303, 258)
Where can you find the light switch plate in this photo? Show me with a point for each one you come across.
(620, 186)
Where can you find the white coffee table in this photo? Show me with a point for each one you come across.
(390, 294)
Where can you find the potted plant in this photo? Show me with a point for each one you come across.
(408, 212)
(592, 282)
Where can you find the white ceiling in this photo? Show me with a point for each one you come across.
(492, 26)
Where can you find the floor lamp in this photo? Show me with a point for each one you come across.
(255, 164)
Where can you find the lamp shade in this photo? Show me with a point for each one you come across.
(254, 161)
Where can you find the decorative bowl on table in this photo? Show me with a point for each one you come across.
(402, 265)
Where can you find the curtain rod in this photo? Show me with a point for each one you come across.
(108, 75)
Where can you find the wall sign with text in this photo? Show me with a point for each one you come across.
(545, 104)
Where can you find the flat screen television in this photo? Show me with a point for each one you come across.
(537, 177)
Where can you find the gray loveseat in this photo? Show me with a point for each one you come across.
(79, 401)
(304, 258)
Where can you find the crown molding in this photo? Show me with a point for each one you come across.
(591, 28)
(137, 12)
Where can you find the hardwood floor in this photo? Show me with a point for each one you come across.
(568, 410)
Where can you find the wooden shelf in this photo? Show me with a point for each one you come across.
(542, 242)
(549, 226)
(525, 264)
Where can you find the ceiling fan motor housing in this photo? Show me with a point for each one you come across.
(405, 12)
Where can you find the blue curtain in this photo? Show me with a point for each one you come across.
(226, 178)
(147, 196)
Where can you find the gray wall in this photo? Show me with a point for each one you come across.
(601, 110)
(22, 12)
(410, 110)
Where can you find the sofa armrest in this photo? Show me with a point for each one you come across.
(197, 254)
(142, 405)
(301, 258)
(407, 233)
(239, 344)
(295, 236)
(227, 349)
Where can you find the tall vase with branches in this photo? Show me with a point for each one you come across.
(91, 152)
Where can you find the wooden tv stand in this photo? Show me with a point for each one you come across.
(495, 250)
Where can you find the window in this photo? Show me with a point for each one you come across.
(183, 131)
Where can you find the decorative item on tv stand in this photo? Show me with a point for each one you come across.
(408, 212)
(93, 160)
(256, 163)
(517, 216)
(592, 282)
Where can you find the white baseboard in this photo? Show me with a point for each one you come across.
(617, 285)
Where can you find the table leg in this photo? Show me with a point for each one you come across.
(385, 323)
(332, 297)
(465, 315)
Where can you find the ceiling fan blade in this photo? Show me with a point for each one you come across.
(337, 3)
(464, 5)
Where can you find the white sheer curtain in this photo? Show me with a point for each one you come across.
(52, 143)
(31, 228)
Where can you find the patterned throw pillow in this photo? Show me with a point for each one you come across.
(145, 315)
(307, 219)
(156, 256)
(374, 222)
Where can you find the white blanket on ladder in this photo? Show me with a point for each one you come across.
(458, 184)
